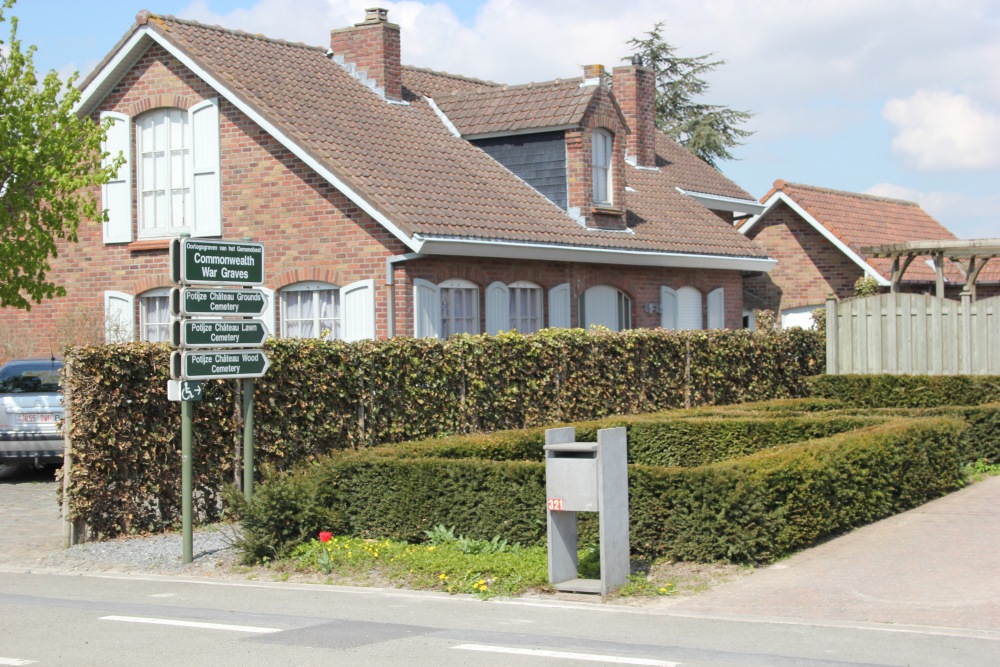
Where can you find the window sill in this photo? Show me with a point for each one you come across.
(148, 244)
(607, 210)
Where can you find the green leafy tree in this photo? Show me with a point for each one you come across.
(707, 130)
(50, 161)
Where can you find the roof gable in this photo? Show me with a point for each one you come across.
(851, 221)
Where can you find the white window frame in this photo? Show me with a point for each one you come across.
(519, 291)
(315, 288)
(163, 162)
(161, 297)
(449, 291)
(602, 151)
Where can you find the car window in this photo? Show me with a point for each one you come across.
(29, 379)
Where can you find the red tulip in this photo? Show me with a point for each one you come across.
(325, 536)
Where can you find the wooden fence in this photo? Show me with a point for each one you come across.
(913, 334)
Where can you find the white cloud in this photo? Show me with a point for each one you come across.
(967, 216)
(938, 129)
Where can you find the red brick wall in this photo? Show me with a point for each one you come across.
(809, 266)
(308, 228)
(641, 284)
(635, 91)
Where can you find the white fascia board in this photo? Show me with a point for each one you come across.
(530, 130)
(723, 203)
(558, 253)
(108, 73)
(780, 196)
(443, 117)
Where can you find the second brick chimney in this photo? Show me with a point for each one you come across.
(373, 47)
(634, 87)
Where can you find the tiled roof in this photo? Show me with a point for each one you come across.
(860, 220)
(404, 161)
(691, 173)
(515, 108)
(420, 82)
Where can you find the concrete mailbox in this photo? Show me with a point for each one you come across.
(587, 477)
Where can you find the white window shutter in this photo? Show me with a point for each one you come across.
(119, 317)
(268, 315)
(205, 200)
(357, 302)
(559, 306)
(497, 308)
(426, 309)
(601, 307)
(668, 308)
(717, 309)
(689, 308)
(116, 194)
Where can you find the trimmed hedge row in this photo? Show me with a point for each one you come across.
(907, 391)
(320, 397)
(752, 509)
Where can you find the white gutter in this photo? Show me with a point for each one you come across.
(147, 33)
(780, 196)
(723, 203)
(558, 253)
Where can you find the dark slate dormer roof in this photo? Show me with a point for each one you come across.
(400, 161)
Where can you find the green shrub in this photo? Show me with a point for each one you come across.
(751, 509)
(907, 391)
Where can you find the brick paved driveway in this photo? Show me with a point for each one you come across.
(30, 525)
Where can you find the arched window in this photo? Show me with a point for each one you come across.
(310, 310)
(602, 144)
(154, 315)
(605, 306)
(164, 185)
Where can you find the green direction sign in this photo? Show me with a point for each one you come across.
(218, 364)
(209, 262)
(189, 301)
(217, 333)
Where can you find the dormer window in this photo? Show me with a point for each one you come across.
(601, 145)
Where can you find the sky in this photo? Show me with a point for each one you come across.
(898, 98)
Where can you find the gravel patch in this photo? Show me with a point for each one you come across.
(213, 553)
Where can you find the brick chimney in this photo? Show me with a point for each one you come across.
(373, 47)
(634, 87)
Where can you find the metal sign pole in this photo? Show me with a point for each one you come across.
(187, 419)
(248, 439)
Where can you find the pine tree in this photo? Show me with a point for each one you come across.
(707, 130)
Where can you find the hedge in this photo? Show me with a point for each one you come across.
(907, 391)
(320, 397)
(754, 508)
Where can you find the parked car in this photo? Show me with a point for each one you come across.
(31, 413)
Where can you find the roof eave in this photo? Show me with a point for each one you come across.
(499, 249)
(724, 203)
(780, 197)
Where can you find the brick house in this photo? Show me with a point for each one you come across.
(817, 236)
(393, 200)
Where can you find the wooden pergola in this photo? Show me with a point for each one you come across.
(969, 256)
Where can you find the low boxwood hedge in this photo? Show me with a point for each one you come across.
(750, 509)
(907, 391)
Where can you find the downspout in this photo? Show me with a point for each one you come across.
(390, 281)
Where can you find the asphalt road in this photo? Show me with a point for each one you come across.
(127, 620)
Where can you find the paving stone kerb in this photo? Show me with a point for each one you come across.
(935, 565)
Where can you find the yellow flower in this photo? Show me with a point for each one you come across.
(442, 576)
(430, 548)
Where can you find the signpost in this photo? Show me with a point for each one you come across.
(216, 338)
(189, 301)
(215, 333)
(219, 364)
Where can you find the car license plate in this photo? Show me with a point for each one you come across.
(35, 419)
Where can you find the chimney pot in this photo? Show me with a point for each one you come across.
(593, 71)
(637, 60)
(376, 15)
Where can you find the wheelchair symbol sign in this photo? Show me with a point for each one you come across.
(184, 390)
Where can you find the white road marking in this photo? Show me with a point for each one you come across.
(190, 624)
(16, 661)
(163, 595)
(586, 657)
